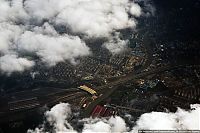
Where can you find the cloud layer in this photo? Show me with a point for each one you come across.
(11, 63)
(28, 29)
(180, 120)
(52, 49)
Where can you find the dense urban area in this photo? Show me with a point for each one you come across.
(158, 71)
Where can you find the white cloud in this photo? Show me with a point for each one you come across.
(135, 10)
(99, 126)
(12, 11)
(156, 120)
(11, 63)
(113, 124)
(117, 124)
(45, 29)
(4, 8)
(45, 9)
(8, 35)
(94, 18)
(28, 26)
(97, 18)
(181, 120)
(52, 49)
(57, 117)
(115, 45)
(42, 41)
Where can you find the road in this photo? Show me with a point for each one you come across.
(69, 95)
(107, 89)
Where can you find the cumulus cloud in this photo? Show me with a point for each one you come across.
(95, 18)
(148, 8)
(8, 35)
(11, 63)
(43, 42)
(92, 18)
(28, 27)
(98, 18)
(115, 44)
(113, 124)
(57, 117)
(12, 11)
(135, 10)
(52, 49)
(45, 29)
(45, 9)
(181, 120)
